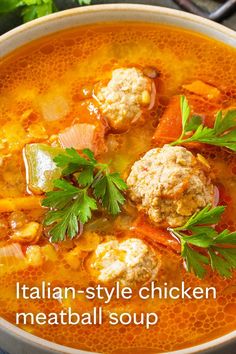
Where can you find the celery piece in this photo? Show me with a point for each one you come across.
(41, 170)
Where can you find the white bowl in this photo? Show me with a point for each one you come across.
(13, 339)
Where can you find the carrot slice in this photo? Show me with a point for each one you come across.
(170, 126)
(8, 205)
(154, 234)
(200, 88)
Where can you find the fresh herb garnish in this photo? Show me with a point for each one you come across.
(202, 245)
(85, 184)
(32, 9)
(108, 187)
(222, 134)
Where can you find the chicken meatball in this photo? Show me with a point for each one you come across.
(170, 184)
(125, 96)
(131, 262)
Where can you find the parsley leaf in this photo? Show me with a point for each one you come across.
(194, 261)
(185, 111)
(222, 134)
(69, 206)
(221, 265)
(202, 245)
(36, 9)
(226, 237)
(32, 9)
(87, 183)
(206, 216)
(86, 205)
(70, 161)
(61, 197)
(193, 123)
(228, 253)
(108, 188)
(85, 177)
(65, 223)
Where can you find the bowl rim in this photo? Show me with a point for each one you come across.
(6, 38)
(96, 9)
(52, 347)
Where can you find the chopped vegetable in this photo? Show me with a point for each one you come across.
(203, 161)
(202, 245)
(13, 136)
(40, 167)
(37, 131)
(49, 253)
(155, 235)
(34, 256)
(9, 253)
(78, 136)
(31, 9)
(222, 134)
(101, 224)
(74, 258)
(17, 219)
(71, 206)
(200, 88)
(29, 233)
(169, 127)
(88, 242)
(8, 205)
(53, 106)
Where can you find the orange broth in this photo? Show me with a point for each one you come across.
(63, 65)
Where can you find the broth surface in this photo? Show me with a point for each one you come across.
(63, 65)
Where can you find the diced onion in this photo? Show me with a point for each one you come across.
(10, 253)
(216, 196)
(78, 136)
(54, 107)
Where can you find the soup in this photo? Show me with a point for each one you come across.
(110, 112)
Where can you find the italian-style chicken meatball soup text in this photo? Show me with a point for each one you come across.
(118, 164)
